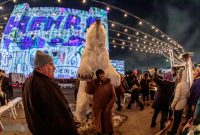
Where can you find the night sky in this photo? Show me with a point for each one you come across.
(179, 19)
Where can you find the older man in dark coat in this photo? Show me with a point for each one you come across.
(46, 109)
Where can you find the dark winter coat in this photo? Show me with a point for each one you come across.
(103, 101)
(119, 90)
(163, 94)
(46, 109)
(5, 84)
(144, 83)
(194, 92)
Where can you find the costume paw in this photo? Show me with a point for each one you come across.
(85, 72)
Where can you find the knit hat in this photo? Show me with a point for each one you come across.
(41, 59)
(168, 77)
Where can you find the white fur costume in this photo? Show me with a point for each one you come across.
(95, 56)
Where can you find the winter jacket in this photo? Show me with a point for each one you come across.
(181, 93)
(46, 108)
(103, 101)
(163, 94)
(194, 92)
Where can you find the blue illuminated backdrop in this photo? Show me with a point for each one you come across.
(59, 32)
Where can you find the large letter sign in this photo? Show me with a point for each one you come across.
(59, 32)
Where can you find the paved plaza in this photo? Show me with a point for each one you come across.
(137, 123)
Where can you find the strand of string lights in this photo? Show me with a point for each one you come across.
(138, 32)
(154, 39)
(138, 39)
(7, 2)
(142, 50)
(138, 44)
(141, 21)
(150, 49)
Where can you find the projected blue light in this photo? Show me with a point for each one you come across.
(59, 32)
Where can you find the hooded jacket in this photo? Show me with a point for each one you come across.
(181, 93)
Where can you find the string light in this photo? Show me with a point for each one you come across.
(108, 8)
(156, 30)
(122, 47)
(137, 33)
(130, 48)
(114, 46)
(84, 1)
(140, 23)
(1, 8)
(131, 44)
(5, 18)
(125, 15)
(14, 1)
(129, 38)
(113, 41)
(145, 36)
(1, 27)
(118, 34)
(125, 30)
(59, 1)
(113, 25)
(123, 43)
(135, 30)
(137, 40)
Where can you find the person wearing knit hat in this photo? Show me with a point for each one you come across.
(46, 108)
(44, 63)
(41, 59)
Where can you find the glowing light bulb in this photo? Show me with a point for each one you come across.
(137, 33)
(59, 1)
(125, 30)
(145, 36)
(130, 48)
(131, 44)
(1, 8)
(113, 41)
(84, 1)
(113, 25)
(108, 8)
(14, 0)
(123, 43)
(129, 38)
(153, 27)
(140, 23)
(5, 18)
(118, 34)
(125, 15)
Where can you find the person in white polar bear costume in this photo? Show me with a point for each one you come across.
(95, 56)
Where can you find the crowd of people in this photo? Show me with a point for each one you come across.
(47, 110)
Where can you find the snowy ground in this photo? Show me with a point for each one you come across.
(126, 122)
